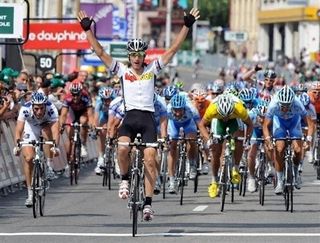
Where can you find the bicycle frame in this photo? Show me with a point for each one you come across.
(137, 190)
(75, 154)
(39, 182)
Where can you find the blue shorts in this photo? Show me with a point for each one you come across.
(257, 133)
(174, 128)
(292, 125)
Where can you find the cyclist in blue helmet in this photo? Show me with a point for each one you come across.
(312, 117)
(35, 117)
(169, 92)
(103, 100)
(181, 116)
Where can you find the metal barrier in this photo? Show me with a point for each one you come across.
(11, 167)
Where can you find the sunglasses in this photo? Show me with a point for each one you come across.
(75, 95)
(137, 54)
(285, 106)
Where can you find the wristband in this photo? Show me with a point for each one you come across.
(267, 138)
(309, 138)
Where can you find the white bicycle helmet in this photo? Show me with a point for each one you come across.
(285, 95)
(136, 45)
(106, 93)
(225, 105)
(75, 88)
(38, 98)
(246, 95)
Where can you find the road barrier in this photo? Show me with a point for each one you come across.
(11, 167)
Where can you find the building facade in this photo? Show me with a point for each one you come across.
(277, 28)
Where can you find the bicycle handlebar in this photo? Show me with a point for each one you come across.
(37, 143)
(139, 144)
(75, 124)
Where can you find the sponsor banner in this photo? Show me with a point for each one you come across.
(102, 15)
(56, 36)
(11, 20)
(153, 54)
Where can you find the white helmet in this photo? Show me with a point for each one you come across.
(225, 105)
(136, 45)
(285, 95)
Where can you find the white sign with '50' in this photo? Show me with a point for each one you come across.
(45, 62)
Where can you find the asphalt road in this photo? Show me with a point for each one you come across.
(90, 213)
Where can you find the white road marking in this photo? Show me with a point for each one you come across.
(200, 208)
(315, 182)
(162, 234)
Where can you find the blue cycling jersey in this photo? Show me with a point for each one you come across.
(101, 106)
(296, 109)
(190, 113)
(160, 109)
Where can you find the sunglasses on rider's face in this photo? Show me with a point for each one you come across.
(285, 106)
(75, 95)
(137, 54)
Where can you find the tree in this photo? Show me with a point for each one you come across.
(216, 11)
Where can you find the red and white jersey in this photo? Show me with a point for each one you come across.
(138, 92)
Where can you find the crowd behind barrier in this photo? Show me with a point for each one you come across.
(11, 167)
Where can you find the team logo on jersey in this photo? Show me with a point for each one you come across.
(26, 136)
(26, 113)
(130, 77)
(50, 112)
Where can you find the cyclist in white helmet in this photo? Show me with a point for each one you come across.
(35, 116)
(224, 112)
(138, 82)
(284, 116)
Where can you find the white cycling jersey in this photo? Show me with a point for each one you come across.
(33, 125)
(138, 91)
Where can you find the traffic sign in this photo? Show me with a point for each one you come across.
(117, 49)
(237, 36)
(45, 62)
(11, 20)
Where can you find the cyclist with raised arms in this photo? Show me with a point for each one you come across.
(224, 112)
(138, 81)
(35, 116)
(284, 116)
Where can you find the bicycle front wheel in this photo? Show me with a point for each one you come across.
(182, 163)
(223, 186)
(164, 174)
(35, 189)
(135, 203)
(198, 165)
(43, 189)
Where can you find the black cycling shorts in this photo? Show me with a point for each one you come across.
(143, 122)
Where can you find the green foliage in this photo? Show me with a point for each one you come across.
(186, 45)
(216, 11)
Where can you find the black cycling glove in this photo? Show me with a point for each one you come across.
(86, 23)
(189, 20)
(257, 68)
